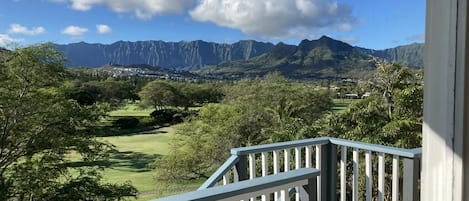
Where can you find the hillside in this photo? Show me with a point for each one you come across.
(176, 55)
(311, 59)
(407, 55)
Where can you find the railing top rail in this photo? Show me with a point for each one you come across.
(279, 146)
(248, 186)
(407, 153)
(221, 171)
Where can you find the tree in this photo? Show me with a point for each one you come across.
(160, 94)
(103, 91)
(252, 112)
(39, 125)
(199, 94)
(388, 79)
(394, 120)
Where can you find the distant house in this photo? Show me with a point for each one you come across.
(367, 94)
(347, 80)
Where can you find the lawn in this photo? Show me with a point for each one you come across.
(341, 104)
(131, 110)
(131, 162)
(136, 150)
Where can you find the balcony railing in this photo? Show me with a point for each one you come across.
(298, 168)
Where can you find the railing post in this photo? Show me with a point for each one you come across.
(242, 167)
(309, 193)
(411, 177)
(328, 170)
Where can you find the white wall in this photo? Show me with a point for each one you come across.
(445, 146)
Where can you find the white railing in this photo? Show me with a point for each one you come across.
(304, 180)
(331, 157)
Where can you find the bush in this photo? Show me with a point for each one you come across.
(127, 122)
(83, 98)
(170, 116)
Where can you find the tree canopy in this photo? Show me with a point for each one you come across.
(39, 125)
(394, 120)
(252, 112)
(159, 94)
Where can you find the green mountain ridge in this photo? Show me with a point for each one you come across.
(186, 55)
(324, 58)
(407, 55)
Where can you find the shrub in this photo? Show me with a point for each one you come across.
(173, 116)
(127, 122)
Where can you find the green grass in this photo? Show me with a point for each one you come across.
(131, 163)
(136, 149)
(341, 104)
(132, 110)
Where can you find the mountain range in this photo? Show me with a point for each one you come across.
(191, 55)
(321, 58)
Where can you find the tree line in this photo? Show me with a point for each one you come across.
(39, 124)
(275, 109)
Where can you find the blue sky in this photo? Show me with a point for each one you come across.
(374, 24)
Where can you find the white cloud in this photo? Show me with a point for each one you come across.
(103, 29)
(74, 31)
(7, 41)
(142, 9)
(416, 38)
(19, 29)
(277, 18)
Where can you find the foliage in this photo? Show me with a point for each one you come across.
(108, 91)
(199, 94)
(160, 94)
(127, 122)
(394, 120)
(252, 112)
(83, 97)
(40, 124)
(390, 78)
(170, 115)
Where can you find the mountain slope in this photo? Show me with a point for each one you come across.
(178, 55)
(406, 55)
(322, 58)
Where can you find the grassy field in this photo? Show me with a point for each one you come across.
(131, 162)
(131, 110)
(341, 104)
(136, 150)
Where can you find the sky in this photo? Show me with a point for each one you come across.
(376, 24)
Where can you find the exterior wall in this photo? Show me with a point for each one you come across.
(446, 103)
(463, 60)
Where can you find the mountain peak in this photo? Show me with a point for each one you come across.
(324, 42)
(324, 37)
